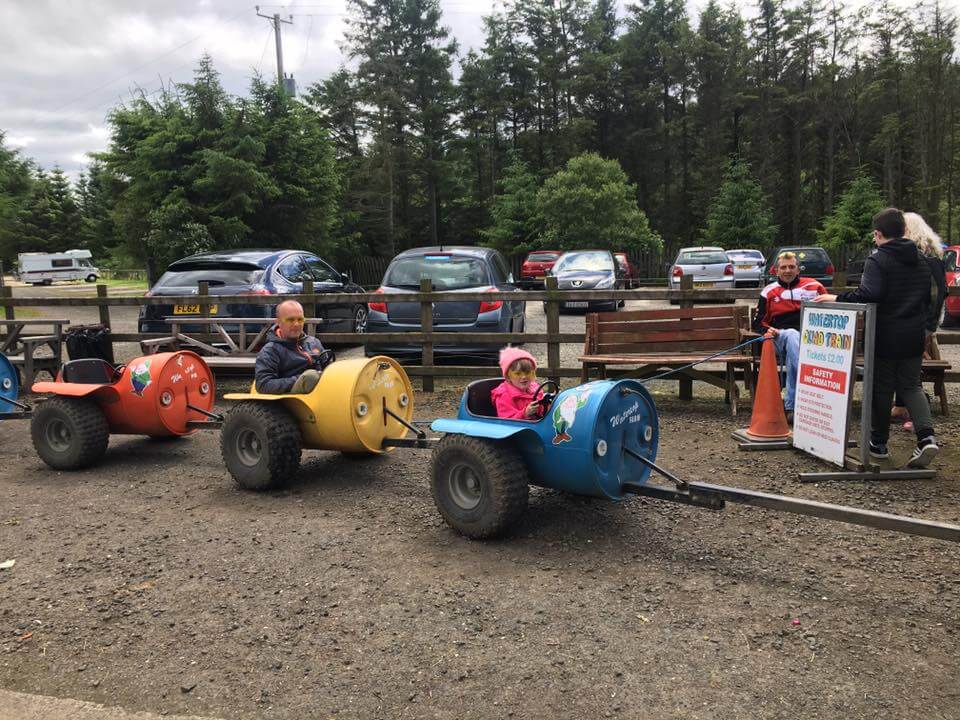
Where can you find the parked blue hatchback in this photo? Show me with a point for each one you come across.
(251, 272)
(453, 269)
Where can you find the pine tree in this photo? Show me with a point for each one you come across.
(847, 229)
(740, 215)
(516, 224)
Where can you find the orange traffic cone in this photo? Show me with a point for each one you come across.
(768, 421)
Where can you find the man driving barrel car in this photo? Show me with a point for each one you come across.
(291, 361)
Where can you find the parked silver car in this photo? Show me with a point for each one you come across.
(709, 266)
(747, 267)
(588, 270)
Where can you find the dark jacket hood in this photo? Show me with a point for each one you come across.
(903, 250)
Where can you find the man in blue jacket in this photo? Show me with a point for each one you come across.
(898, 280)
(291, 361)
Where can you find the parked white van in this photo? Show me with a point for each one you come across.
(45, 268)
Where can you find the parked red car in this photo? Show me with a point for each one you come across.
(951, 314)
(628, 269)
(535, 267)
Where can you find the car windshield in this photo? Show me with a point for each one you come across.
(950, 260)
(191, 276)
(702, 257)
(446, 272)
(597, 261)
(542, 257)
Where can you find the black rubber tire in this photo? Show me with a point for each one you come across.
(503, 485)
(91, 278)
(279, 445)
(358, 324)
(84, 432)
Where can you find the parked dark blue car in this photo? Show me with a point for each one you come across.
(252, 272)
(454, 269)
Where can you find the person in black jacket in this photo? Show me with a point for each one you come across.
(291, 361)
(898, 280)
(928, 242)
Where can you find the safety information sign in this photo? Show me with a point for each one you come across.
(825, 382)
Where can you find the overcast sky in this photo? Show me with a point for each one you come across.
(66, 63)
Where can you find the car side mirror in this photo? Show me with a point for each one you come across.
(344, 278)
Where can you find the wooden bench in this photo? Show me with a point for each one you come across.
(655, 340)
(21, 349)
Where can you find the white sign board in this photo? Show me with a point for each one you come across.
(825, 382)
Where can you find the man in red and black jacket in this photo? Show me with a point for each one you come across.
(778, 312)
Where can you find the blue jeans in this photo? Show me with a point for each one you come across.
(787, 343)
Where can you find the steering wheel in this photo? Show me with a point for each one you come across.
(546, 398)
(325, 358)
(118, 372)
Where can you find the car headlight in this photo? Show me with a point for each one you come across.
(605, 283)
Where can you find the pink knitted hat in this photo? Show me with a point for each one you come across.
(509, 355)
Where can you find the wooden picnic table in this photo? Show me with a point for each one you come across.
(239, 345)
(21, 348)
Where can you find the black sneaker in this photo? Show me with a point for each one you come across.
(879, 450)
(924, 453)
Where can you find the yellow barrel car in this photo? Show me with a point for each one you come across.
(357, 404)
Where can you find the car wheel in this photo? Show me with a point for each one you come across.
(91, 278)
(360, 318)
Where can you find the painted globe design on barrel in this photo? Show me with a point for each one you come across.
(140, 377)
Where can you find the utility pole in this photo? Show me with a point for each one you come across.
(275, 20)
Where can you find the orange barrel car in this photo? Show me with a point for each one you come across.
(162, 395)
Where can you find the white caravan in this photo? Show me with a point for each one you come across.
(45, 268)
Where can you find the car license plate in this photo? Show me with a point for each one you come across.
(703, 284)
(191, 309)
(744, 267)
(576, 304)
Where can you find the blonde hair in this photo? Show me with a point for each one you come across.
(922, 235)
(786, 255)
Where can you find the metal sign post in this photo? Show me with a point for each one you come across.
(862, 466)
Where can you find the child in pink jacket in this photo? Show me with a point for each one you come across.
(514, 397)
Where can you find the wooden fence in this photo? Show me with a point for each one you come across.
(686, 296)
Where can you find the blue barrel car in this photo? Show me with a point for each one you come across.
(9, 389)
(592, 439)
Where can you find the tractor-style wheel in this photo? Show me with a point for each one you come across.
(479, 486)
(69, 433)
(260, 444)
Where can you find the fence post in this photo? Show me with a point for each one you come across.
(552, 308)
(105, 317)
(309, 308)
(686, 384)
(426, 327)
(7, 292)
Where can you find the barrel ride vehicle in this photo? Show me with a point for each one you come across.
(164, 395)
(355, 407)
(599, 439)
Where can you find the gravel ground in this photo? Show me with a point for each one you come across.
(151, 583)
